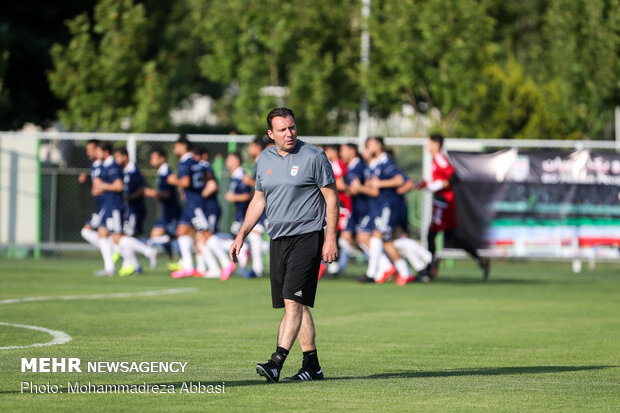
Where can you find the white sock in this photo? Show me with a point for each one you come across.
(402, 268)
(207, 255)
(138, 246)
(106, 245)
(256, 249)
(345, 245)
(160, 239)
(126, 249)
(200, 263)
(215, 245)
(384, 262)
(91, 236)
(185, 247)
(376, 248)
(416, 254)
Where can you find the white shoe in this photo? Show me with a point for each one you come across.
(103, 273)
(153, 258)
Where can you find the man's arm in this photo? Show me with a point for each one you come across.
(232, 197)
(138, 193)
(116, 186)
(255, 211)
(330, 247)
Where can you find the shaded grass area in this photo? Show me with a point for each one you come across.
(534, 337)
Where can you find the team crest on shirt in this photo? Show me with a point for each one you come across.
(294, 170)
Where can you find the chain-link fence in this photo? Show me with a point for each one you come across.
(46, 211)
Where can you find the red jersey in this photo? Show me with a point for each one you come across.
(442, 171)
(340, 170)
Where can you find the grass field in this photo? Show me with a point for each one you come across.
(534, 337)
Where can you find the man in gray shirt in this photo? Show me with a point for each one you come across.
(295, 185)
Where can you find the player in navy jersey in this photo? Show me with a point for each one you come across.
(381, 183)
(89, 231)
(255, 238)
(359, 202)
(110, 184)
(135, 212)
(215, 246)
(197, 216)
(239, 194)
(418, 256)
(166, 225)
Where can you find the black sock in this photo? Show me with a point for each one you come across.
(311, 360)
(279, 356)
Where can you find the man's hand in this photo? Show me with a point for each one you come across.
(150, 192)
(83, 177)
(235, 249)
(330, 251)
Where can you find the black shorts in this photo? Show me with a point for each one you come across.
(294, 268)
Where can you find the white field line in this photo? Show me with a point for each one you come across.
(100, 296)
(58, 336)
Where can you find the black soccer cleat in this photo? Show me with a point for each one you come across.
(485, 264)
(269, 370)
(365, 280)
(306, 375)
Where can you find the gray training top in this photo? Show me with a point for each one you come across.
(292, 187)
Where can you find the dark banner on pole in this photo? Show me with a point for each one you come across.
(539, 202)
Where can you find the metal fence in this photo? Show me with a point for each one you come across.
(63, 205)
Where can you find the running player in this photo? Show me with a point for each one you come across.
(135, 212)
(340, 173)
(239, 194)
(166, 225)
(110, 184)
(214, 244)
(444, 206)
(89, 231)
(387, 211)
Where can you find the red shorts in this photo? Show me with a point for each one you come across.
(444, 216)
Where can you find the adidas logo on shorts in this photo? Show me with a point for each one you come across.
(298, 293)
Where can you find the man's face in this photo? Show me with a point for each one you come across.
(91, 151)
(331, 153)
(433, 147)
(99, 153)
(120, 159)
(179, 149)
(253, 150)
(284, 133)
(347, 153)
(156, 161)
(374, 147)
(232, 163)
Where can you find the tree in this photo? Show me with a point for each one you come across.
(101, 74)
(302, 54)
(427, 53)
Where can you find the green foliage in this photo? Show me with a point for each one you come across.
(100, 73)
(307, 47)
(493, 68)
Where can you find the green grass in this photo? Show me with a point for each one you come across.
(534, 337)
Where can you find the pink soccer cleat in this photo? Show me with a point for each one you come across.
(226, 271)
(387, 275)
(183, 272)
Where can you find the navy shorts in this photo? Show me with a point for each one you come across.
(96, 218)
(112, 219)
(168, 222)
(388, 219)
(132, 226)
(199, 217)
